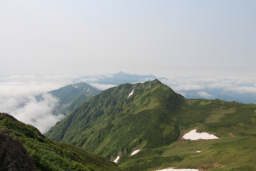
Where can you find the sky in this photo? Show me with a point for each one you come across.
(145, 36)
(201, 47)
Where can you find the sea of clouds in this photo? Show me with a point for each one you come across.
(18, 93)
(18, 98)
(238, 88)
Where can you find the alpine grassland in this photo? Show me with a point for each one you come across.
(153, 119)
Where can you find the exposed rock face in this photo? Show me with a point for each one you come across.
(13, 156)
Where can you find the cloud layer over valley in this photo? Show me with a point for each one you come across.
(238, 88)
(18, 98)
(18, 92)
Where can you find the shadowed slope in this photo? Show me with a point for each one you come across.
(13, 155)
(46, 154)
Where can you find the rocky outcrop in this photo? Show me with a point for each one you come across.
(13, 156)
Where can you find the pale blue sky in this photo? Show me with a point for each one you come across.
(142, 36)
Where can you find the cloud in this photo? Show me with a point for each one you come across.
(18, 98)
(31, 111)
(39, 113)
(205, 95)
(102, 86)
(226, 87)
(244, 89)
(17, 92)
(237, 84)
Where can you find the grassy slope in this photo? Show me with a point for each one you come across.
(234, 123)
(154, 119)
(112, 123)
(49, 155)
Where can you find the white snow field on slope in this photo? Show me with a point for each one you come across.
(131, 93)
(172, 169)
(117, 159)
(193, 135)
(135, 152)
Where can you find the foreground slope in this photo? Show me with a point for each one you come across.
(151, 119)
(13, 155)
(28, 149)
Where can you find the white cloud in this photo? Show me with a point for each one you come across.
(102, 86)
(238, 84)
(204, 94)
(39, 113)
(241, 88)
(33, 112)
(17, 92)
(17, 97)
(244, 89)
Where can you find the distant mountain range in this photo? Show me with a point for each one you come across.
(116, 79)
(72, 96)
(223, 94)
(207, 91)
(140, 127)
(122, 78)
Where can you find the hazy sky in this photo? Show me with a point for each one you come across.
(141, 36)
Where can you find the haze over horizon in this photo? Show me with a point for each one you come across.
(203, 49)
(147, 36)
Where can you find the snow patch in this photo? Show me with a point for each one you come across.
(131, 93)
(117, 159)
(135, 152)
(172, 169)
(193, 135)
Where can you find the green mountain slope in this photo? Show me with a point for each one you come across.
(112, 120)
(72, 96)
(153, 119)
(44, 153)
(233, 123)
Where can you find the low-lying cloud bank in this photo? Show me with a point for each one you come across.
(18, 98)
(18, 92)
(39, 113)
(31, 111)
(236, 88)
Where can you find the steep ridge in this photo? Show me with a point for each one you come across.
(122, 118)
(41, 153)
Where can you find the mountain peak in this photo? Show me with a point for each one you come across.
(136, 110)
(155, 81)
(154, 85)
